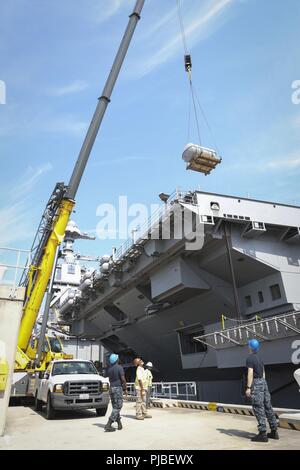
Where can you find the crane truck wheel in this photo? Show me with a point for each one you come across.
(101, 411)
(37, 403)
(49, 409)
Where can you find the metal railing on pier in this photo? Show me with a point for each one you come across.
(13, 263)
(170, 390)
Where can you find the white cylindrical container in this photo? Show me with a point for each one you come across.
(193, 151)
(189, 152)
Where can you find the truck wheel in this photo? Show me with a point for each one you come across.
(49, 409)
(101, 411)
(37, 403)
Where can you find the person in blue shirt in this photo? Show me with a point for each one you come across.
(118, 385)
(258, 392)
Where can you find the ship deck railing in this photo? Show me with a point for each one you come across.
(169, 390)
(267, 329)
(150, 228)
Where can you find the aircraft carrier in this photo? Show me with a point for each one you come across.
(190, 301)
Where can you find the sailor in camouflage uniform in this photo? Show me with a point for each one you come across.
(257, 390)
(116, 396)
(117, 386)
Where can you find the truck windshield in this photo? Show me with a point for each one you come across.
(73, 367)
(55, 345)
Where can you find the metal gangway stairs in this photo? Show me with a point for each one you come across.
(267, 329)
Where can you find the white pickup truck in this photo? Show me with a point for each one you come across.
(71, 384)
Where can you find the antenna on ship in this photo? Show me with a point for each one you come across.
(197, 157)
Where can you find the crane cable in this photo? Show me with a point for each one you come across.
(188, 68)
(182, 27)
(193, 94)
(207, 123)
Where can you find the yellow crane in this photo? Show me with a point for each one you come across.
(56, 216)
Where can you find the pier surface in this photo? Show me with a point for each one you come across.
(169, 429)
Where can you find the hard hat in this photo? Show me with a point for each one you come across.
(113, 358)
(253, 344)
(149, 364)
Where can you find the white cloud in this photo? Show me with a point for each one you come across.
(169, 17)
(105, 9)
(27, 124)
(296, 122)
(28, 181)
(261, 165)
(289, 163)
(71, 88)
(16, 214)
(199, 23)
(114, 161)
(67, 124)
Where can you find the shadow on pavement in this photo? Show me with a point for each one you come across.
(236, 433)
(66, 415)
(99, 425)
(128, 416)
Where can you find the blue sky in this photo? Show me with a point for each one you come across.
(55, 57)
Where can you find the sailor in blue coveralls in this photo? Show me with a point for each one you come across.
(258, 392)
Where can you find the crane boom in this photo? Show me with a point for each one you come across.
(40, 271)
(103, 101)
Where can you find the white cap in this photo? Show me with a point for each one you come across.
(149, 364)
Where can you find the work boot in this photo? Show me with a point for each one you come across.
(261, 437)
(119, 424)
(108, 427)
(140, 417)
(273, 434)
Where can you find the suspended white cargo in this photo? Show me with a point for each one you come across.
(200, 158)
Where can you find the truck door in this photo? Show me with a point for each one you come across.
(44, 384)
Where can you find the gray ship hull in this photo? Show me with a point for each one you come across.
(160, 294)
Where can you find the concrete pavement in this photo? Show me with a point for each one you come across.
(169, 429)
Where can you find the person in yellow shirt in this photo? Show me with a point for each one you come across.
(141, 388)
(149, 378)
